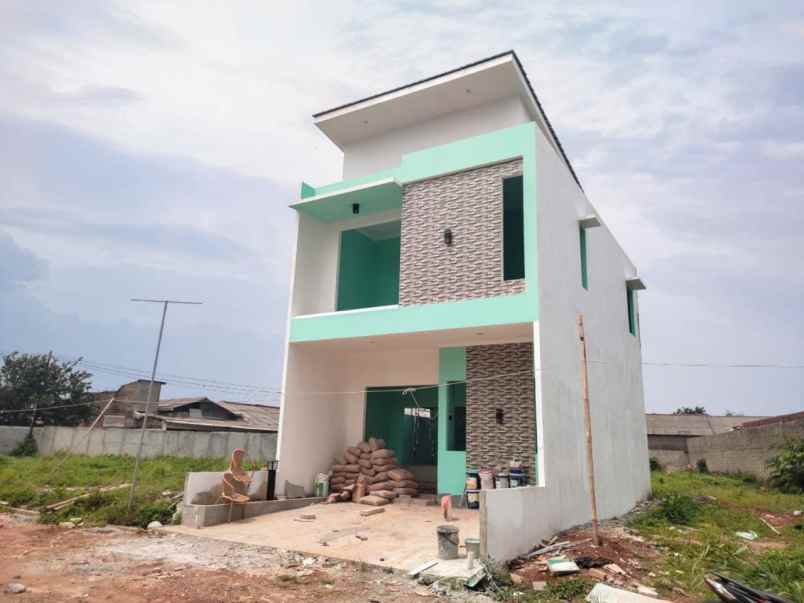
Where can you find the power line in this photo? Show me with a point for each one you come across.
(46, 408)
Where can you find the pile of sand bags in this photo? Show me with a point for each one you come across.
(371, 473)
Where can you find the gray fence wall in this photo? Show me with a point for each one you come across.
(197, 444)
(744, 450)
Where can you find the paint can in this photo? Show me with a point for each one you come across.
(517, 478)
(503, 480)
(472, 547)
(486, 479)
(472, 483)
(448, 541)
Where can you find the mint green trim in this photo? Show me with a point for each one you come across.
(501, 145)
(306, 191)
(487, 311)
(451, 464)
(337, 205)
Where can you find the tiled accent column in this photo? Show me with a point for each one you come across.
(470, 204)
(489, 444)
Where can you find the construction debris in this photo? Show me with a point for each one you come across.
(750, 535)
(58, 506)
(559, 566)
(425, 566)
(603, 593)
(369, 512)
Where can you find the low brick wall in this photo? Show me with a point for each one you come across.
(746, 450)
(197, 444)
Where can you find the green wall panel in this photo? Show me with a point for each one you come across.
(513, 229)
(451, 463)
(368, 271)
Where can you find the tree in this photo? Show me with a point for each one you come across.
(39, 381)
(688, 410)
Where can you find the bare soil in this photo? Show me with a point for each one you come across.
(112, 564)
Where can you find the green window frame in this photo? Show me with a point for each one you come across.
(513, 229)
(584, 259)
(629, 300)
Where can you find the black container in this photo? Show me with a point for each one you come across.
(272, 467)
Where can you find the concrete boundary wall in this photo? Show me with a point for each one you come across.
(196, 444)
(745, 450)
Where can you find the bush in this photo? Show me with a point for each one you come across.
(654, 464)
(27, 447)
(702, 466)
(160, 510)
(787, 467)
(679, 508)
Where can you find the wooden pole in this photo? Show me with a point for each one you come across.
(590, 461)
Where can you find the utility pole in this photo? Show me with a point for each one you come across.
(164, 303)
(590, 461)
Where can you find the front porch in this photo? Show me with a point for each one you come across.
(413, 391)
(402, 538)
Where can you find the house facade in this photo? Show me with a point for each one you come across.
(435, 293)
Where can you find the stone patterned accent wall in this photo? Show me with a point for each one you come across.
(489, 444)
(469, 203)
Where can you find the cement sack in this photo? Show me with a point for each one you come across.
(406, 483)
(354, 450)
(352, 458)
(406, 491)
(368, 472)
(384, 468)
(382, 453)
(385, 461)
(374, 501)
(400, 474)
(365, 464)
(364, 446)
(380, 476)
(381, 486)
(374, 444)
(386, 494)
(351, 468)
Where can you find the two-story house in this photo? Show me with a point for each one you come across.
(453, 258)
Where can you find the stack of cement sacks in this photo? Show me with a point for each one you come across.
(379, 469)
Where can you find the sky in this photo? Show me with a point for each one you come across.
(151, 149)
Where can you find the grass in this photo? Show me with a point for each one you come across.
(35, 482)
(698, 536)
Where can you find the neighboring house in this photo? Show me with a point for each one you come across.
(126, 399)
(668, 433)
(203, 414)
(454, 257)
(195, 414)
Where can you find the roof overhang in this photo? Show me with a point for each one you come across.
(372, 197)
(494, 78)
(635, 284)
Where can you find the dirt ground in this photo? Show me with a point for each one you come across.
(111, 564)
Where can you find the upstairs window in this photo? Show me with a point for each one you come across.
(513, 229)
(584, 260)
(629, 300)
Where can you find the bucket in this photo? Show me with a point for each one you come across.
(448, 541)
(517, 478)
(486, 479)
(472, 546)
(503, 481)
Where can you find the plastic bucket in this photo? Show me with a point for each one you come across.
(448, 541)
(503, 480)
(486, 479)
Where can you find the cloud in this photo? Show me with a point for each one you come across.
(19, 265)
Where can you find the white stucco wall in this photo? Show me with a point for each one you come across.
(316, 427)
(514, 520)
(315, 281)
(385, 151)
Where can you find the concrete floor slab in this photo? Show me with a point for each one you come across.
(401, 538)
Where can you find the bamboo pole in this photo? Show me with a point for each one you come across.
(590, 461)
